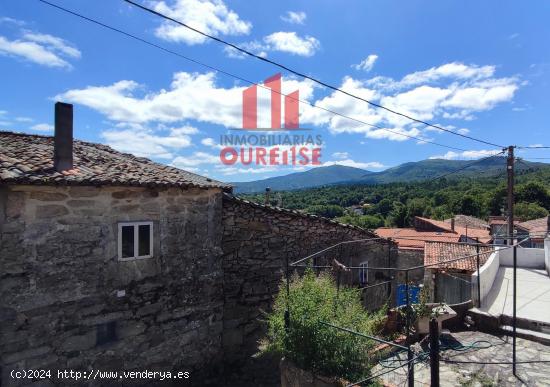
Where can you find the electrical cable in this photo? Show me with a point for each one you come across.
(305, 76)
(127, 34)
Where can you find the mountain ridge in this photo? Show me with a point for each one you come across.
(410, 171)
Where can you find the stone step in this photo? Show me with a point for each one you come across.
(539, 337)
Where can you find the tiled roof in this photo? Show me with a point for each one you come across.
(409, 238)
(536, 226)
(468, 221)
(498, 220)
(28, 159)
(483, 235)
(435, 252)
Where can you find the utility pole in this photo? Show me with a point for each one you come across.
(510, 170)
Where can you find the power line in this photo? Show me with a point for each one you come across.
(284, 67)
(127, 34)
(534, 147)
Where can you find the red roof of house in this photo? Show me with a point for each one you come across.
(483, 235)
(536, 226)
(435, 252)
(468, 221)
(409, 238)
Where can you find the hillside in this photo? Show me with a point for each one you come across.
(480, 194)
(312, 178)
(407, 172)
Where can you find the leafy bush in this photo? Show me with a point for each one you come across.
(528, 211)
(364, 221)
(327, 211)
(309, 343)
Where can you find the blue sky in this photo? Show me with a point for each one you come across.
(478, 68)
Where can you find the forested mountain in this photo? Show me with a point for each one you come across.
(408, 172)
(479, 194)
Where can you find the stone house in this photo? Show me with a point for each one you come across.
(113, 262)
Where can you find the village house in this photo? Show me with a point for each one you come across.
(411, 241)
(114, 262)
(536, 230)
(452, 282)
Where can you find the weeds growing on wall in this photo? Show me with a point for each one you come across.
(314, 346)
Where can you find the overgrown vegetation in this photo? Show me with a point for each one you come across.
(309, 343)
(397, 204)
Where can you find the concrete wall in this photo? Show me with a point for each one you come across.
(526, 257)
(411, 258)
(547, 254)
(62, 286)
(488, 273)
(257, 240)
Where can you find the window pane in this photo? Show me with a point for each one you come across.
(144, 240)
(127, 241)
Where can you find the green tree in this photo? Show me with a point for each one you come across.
(364, 221)
(497, 200)
(533, 192)
(528, 211)
(327, 211)
(469, 205)
(398, 216)
(384, 207)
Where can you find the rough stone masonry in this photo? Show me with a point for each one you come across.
(69, 303)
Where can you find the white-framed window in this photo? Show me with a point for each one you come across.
(135, 240)
(364, 273)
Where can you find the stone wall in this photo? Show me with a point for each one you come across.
(257, 240)
(66, 302)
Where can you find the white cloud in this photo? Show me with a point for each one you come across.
(471, 154)
(355, 164)
(481, 97)
(366, 64)
(396, 134)
(54, 43)
(254, 47)
(209, 16)
(148, 143)
(453, 70)
(340, 155)
(191, 96)
(43, 49)
(292, 43)
(184, 130)
(43, 127)
(461, 91)
(281, 41)
(197, 96)
(208, 141)
(23, 119)
(9, 20)
(211, 143)
(196, 159)
(294, 17)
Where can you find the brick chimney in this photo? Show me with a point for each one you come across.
(63, 137)
(453, 224)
